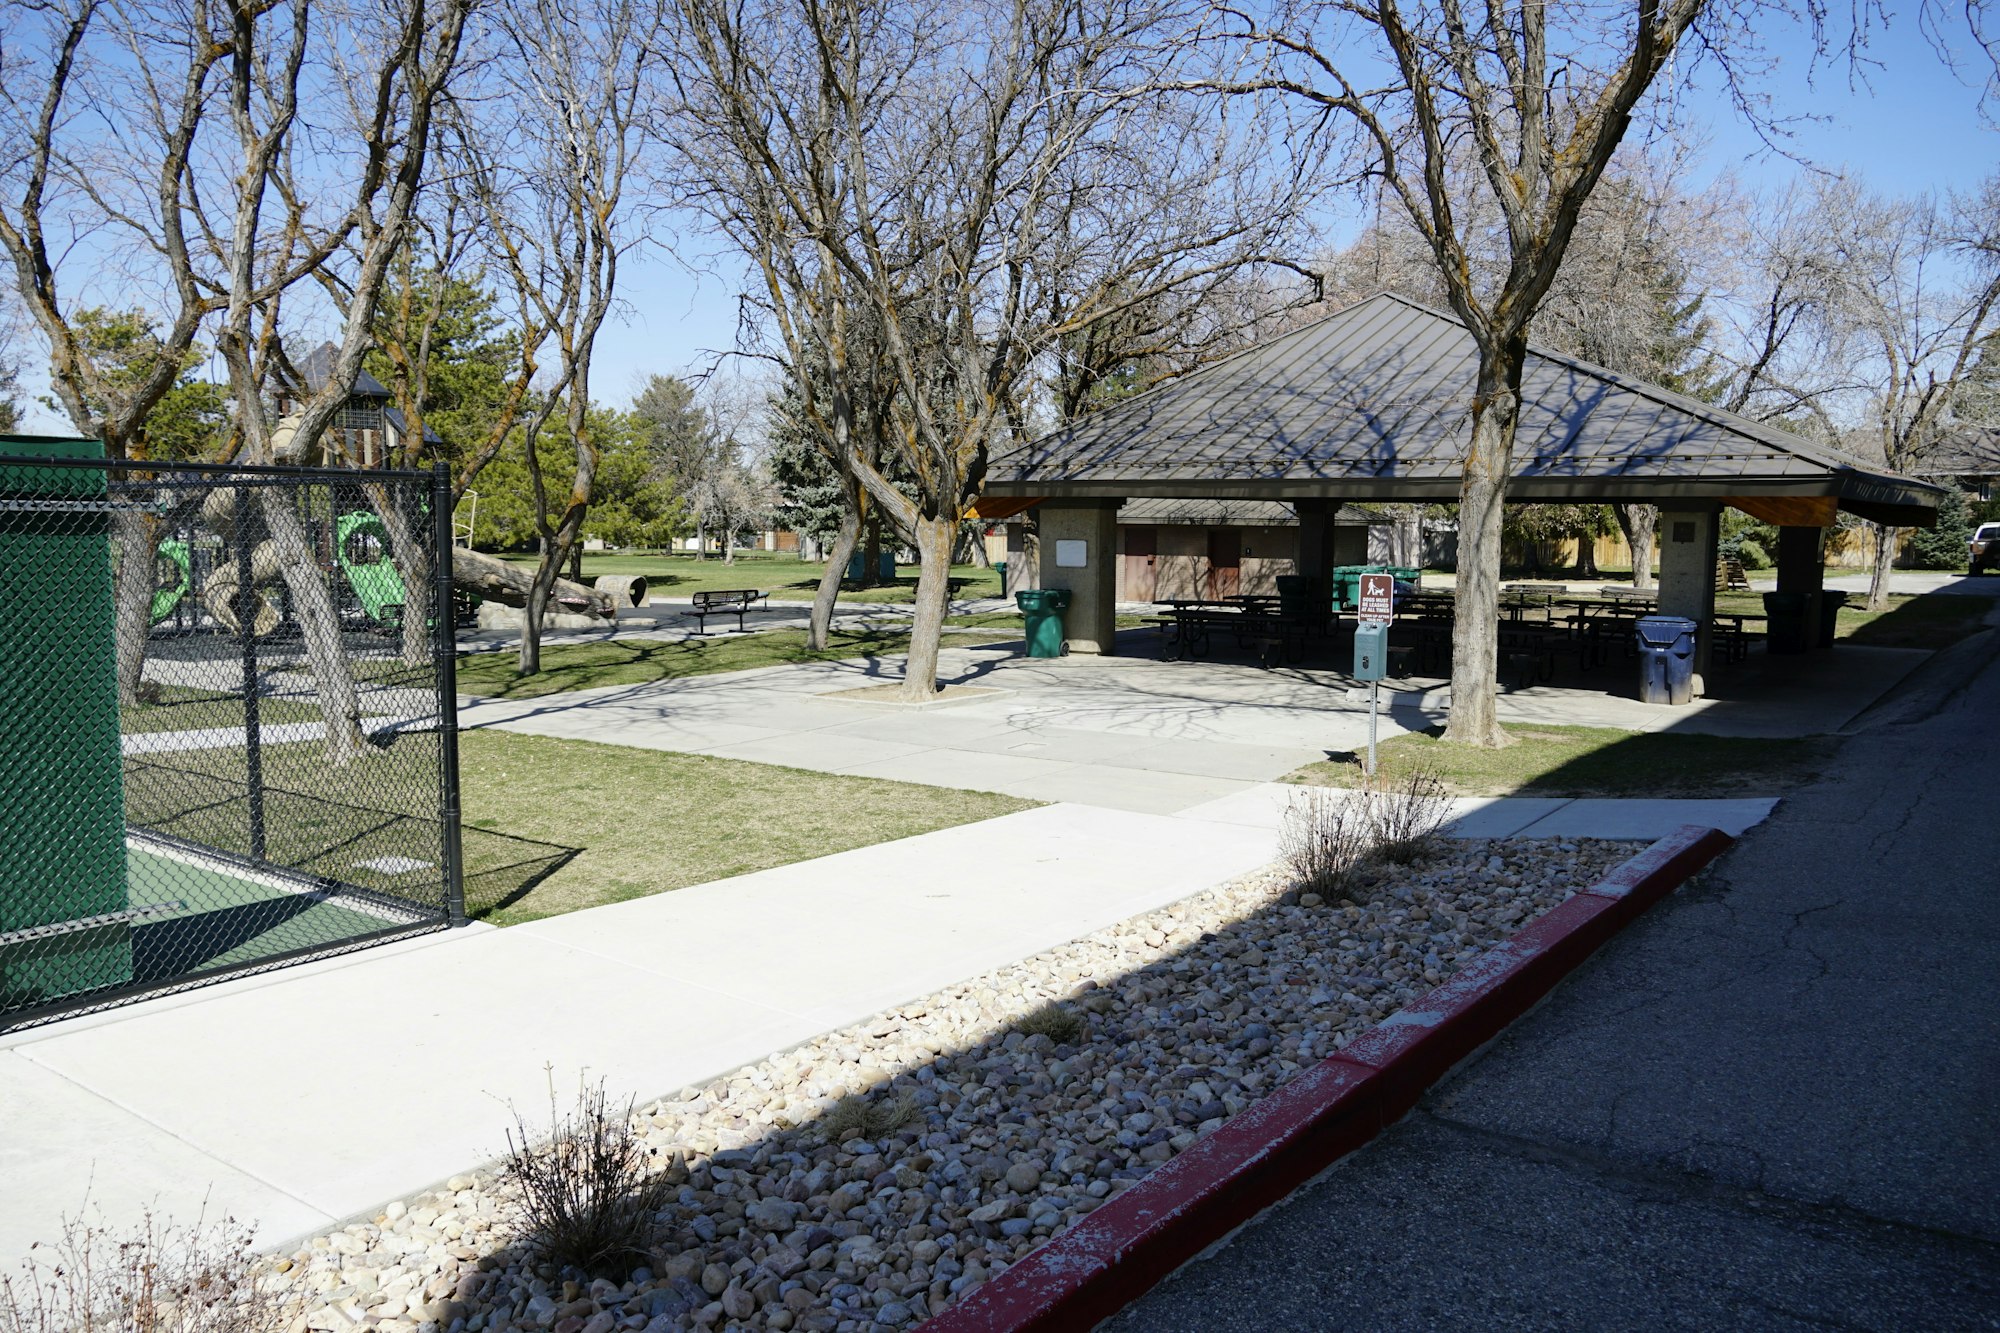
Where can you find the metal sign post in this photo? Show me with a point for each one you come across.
(1373, 613)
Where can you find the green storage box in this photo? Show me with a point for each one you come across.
(61, 769)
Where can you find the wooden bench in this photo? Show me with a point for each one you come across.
(734, 601)
(1730, 575)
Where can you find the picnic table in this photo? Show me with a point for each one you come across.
(1253, 619)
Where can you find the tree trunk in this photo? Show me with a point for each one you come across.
(828, 592)
(1475, 639)
(138, 546)
(934, 540)
(576, 563)
(1641, 525)
(700, 542)
(319, 624)
(980, 560)
(871, 559)
(509, 585)
(1586, 556)
(1878, 576)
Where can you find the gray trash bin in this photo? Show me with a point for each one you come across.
(1666, 659)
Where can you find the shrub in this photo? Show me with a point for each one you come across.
(158, 1278)
(1053, 1021)
(1752, 554)
(1406, 814)
(872, 1118)
(1324, 839)
(589, 1193)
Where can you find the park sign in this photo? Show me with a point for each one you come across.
(1378, 598)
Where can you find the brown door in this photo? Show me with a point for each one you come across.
(1225, 562)
(1139, 571)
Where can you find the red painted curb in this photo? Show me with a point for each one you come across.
(1116, 1254)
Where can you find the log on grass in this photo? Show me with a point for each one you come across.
(509, 584)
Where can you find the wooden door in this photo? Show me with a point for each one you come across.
(1139, 570)
(1225, 562)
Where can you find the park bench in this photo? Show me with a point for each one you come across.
(733, 601)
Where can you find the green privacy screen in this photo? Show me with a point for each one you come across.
(61, 773)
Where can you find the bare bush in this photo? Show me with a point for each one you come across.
(589, 1192)
(1406, 814)
(156, 1278)
(1325, 839)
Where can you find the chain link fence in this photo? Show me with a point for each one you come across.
(227, 721)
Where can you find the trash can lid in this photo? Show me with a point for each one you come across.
(1681, 623)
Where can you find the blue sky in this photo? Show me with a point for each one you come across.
(1912, 126)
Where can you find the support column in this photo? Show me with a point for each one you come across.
(1688, 540)
(1802, 569)
(1079, 551)
(1316, 554)
(1024, 555)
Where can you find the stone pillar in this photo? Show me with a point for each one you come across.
(1316, 555)
(1079, 551)
(1802, 569)
(1687, 542)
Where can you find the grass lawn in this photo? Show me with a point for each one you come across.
(1594, 761)
(590, 666)
(782, 576)
(182, 708)
(648, 820)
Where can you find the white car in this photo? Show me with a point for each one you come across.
(1984, 548)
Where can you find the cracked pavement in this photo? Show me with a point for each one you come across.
(1773, 1102)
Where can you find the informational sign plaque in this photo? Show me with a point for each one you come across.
(1378, 598)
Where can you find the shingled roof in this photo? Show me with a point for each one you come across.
(1374, 402)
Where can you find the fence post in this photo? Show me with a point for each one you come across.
(246, 624)
(444, 648)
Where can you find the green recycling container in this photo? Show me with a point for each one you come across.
(1347, 585)
(61, 767)
(1042, 615)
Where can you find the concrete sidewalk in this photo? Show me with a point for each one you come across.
(299, 1098)
(1772, 1103)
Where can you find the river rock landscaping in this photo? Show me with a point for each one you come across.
(872, 1176)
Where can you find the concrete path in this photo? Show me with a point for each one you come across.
(1772, 1103)
(297, 1099)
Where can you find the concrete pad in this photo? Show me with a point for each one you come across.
(1500, 816)
(1647, 819)
(1222, 759)
(69, 1152)
(822, 751)
(1262, 806)
(1114, 788)
(959, 768)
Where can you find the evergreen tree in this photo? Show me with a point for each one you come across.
(190, 423)
(471, 353)
(1944, 546)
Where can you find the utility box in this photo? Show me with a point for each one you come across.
(63, 902)
(1371, 651)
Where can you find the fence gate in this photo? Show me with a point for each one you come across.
(227, 723)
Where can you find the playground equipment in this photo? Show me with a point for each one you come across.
(363, 545)
(171, 572)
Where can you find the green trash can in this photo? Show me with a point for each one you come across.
(61, 766)
(1347, 585)
(1830, 602)
(1785, 614)
(1405, 574)
(1042, 614)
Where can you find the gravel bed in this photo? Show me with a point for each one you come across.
(873, 1175)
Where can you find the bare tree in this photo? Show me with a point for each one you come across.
(570, 100)
(964, 178)
(1540, 97)
(1923, 292)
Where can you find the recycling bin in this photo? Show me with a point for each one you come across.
(1785, 615)
(1042, 615)
(1666, 659)
(885, 566)
(1830, 602)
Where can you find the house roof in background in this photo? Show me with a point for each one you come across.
(1374, 402)
(317, 368)
(1972, 453)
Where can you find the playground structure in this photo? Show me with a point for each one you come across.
(248, 758)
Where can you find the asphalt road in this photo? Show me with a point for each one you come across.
(1773, 1103)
